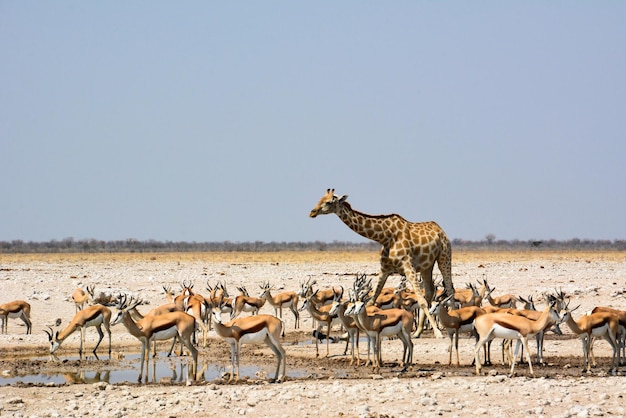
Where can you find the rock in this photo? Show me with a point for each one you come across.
(100, 385)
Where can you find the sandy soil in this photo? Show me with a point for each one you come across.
(327, 385)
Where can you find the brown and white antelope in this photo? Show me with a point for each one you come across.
(159, 310)
(322, 296)
(621, 337)
(350, 324)
(254, 329)
(179, 300)
(595, 325)
(246, 303)
(382, 323)
(391, 297)
(320, 314)
(157, 327)
(219, 295)
(456, 321)
(472, 296)
(410, 303)
(534, 315)
(97, 316)
(192, 303)
(504, 325)
(503, 301)
(281, 300)
(198, 307)
(15, 309)
(80, 297)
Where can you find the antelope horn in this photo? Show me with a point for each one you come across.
(133, 303)
(49, 333)
(119, 301)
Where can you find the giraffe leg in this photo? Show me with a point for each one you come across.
(421, 300)
(379, 286)
(429, 294)
(444, 262)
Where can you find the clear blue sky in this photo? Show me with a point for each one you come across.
(213, 121)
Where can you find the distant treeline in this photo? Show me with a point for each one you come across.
(71, 245)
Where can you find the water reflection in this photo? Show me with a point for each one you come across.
(87, 377)
(165, 370)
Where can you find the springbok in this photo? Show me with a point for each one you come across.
(504, 325)
(280, 301)
(15, 309)
(157, 327)
(97, 316)
(599, 324)
(253, 329)
(456, 321)
(80, 297)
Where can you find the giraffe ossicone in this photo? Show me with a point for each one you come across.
(410, 249)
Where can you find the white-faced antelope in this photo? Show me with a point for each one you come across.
(600, 324)
(281, 300)
(503, 301)
(159, 310)
(158, 327)
(338, 309)
(254, 329)
(384, 323)
(504, 325)
(456, 321)
(219, 295)
(192, 303)
(97, 316)
(322, 296)
(322, 316)
(246, 303)
(534, 315)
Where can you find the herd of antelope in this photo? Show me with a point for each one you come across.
(474, 310)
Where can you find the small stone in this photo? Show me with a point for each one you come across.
(100, 385)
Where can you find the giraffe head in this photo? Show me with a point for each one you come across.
(329, 203)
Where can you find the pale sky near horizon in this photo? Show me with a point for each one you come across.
(213, 121)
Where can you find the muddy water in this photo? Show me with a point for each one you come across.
(161, 370)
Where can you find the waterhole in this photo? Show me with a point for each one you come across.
(160, 370)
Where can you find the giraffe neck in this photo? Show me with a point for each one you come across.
(376, 228)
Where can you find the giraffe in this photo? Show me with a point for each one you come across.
(409, 249)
